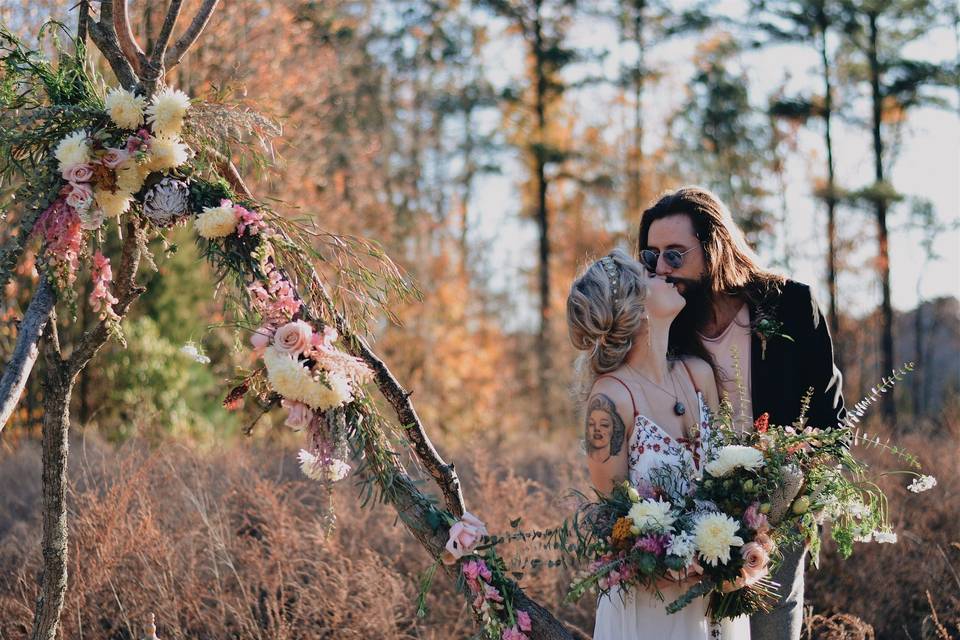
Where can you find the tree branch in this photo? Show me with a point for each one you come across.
(25, 352)
(175, 53)
(104, 35)
(128, 44)
(156, 64)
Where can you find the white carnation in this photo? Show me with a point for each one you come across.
(216, 222)
(293, 381)
(125, 108)
(113, 204)
(923, 483)
(651, 516)
(73, 150)
(167, 110)
(714, 535)
(733, 456)
(167, 152)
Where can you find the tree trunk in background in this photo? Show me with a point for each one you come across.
(635, 199)
(543, 220)
(883, 253)
(831, 184)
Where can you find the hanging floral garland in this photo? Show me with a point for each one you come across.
(96, 164)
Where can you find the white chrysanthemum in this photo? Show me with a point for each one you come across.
(682, 545)
(130, 177)
(923, 483)
(216, 222)
(293, 381)
(167, 152)
(73, 150)
(651, 516)
(112, 204)
(714, 534)
(888, 537)
(314, 469)
(191, 351)
(125, 108)
(167, 110)
(732, 457)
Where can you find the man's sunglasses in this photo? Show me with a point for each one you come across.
(672, 257)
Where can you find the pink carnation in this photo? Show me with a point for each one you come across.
(512, 633)
(523, 620)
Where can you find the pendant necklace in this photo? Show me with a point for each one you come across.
(678, 408)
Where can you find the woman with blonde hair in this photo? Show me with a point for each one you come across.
(644, 410)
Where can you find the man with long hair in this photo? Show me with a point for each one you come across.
(764, 334)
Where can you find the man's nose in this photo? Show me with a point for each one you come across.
(663, 269)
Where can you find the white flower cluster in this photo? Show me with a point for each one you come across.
(733, 457)
(683, 546)
(715, 534)
(316, 469)
(651, 516)
(923, 483)
(125, 108)
(294, 381)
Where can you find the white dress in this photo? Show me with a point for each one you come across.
(639, 614)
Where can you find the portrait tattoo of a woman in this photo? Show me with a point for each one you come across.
(605, 430)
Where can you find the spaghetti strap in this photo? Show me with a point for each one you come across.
(690, 375)
(632, 401)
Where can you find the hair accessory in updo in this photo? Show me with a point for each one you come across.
(611, 268)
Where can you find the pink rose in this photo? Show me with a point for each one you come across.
(293, 337)
(765, 541)
(523, 620)
(78, 173)
(299, 415)
(113, 158)
(512, 633)
(463, 537)
(755, 563)
(80, 196)
(756, 520)
(261, 338)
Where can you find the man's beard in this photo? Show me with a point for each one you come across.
(696, 313)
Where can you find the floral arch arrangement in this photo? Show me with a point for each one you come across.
(88, 162)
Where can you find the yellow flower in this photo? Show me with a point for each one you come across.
(167, 110)
(125, 108)
(216, 222)
(112, 204)
(167, 152)
(621, 532)
(130, 177)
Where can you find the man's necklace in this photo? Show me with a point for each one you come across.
(678, 407)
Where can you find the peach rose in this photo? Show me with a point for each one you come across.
(80, 196)
(299, 415)
(756, 563)
(464, 536)
(113, 158)
(293, 338)
(78, 173)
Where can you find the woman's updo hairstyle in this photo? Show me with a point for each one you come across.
(605, 310)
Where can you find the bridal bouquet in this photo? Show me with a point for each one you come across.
(671, 535)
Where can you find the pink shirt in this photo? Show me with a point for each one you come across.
(735, 339)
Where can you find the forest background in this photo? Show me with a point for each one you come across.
(492, 148)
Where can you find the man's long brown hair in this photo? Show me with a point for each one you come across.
(731, 266)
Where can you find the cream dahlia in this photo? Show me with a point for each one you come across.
(216, 222)
(73, 150)
(714, 534)
(125, 108)
(733, 456)
(167, 110)
(167, 152)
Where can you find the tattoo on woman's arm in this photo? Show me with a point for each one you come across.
(604, 432)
